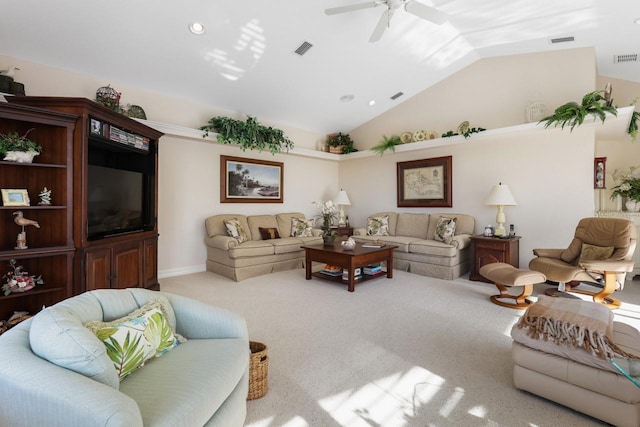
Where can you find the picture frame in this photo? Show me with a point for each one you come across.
(599, 173)
(245, 180)
(15, 197)
(425, 183)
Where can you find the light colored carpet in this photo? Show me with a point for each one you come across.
(410, 351)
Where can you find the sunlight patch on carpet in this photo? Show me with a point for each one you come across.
(391, 401)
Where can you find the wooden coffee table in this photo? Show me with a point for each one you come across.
(349, 259)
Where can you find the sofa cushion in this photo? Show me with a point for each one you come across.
(378, 225)
(287, 245)
(433, 247)
(412, 225)
(138, 337)
(445, 229)
(58, 336)
(251, 248)
(284, 222)
(236, 230)
(269, 233)
(301, 227)
(257, 221)
(214, 225)
(593, 253)
(465, 224)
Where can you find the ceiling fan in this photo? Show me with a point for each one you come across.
(420, 10)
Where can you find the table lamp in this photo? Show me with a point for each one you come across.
(342, 200)
(500, 196)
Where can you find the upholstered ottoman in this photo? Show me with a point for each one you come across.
(503, 275)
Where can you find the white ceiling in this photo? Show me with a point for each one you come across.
(246, 62)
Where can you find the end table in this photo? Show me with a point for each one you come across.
(487, 250)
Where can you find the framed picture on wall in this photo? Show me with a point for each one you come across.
(599, 171)
(425, 183)
(250, 180)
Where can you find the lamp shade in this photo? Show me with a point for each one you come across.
(500, 195)
(342, 198)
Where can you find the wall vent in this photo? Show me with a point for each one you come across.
(397, 95)
(563, 39)
(303, 48)
(629, 57)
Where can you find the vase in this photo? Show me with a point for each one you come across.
(632, 205)
(20, 156)
(328, 240)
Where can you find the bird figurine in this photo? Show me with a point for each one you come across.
(23, 222)
(9, 72)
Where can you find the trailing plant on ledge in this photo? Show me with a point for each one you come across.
(249, 134)
(387, 143)
(573, 114)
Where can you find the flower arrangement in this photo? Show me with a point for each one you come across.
(628, 184)
(19, 280)
(328, 213)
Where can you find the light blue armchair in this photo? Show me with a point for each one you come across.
(203, 381)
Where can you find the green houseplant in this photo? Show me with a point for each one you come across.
(341, 143)
(18, 148)
(387, 143)
(573, 114)
(249, 134)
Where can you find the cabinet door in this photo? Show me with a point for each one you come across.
(151, 264)
(98, 269)
(127, 265)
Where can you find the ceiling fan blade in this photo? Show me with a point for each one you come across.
(425, 12)
(382, 25)
(350, 8)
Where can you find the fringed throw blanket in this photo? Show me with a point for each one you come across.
(572, 323)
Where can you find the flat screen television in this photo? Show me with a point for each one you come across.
(119, 191)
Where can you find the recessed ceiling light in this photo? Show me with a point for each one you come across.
(347, 98)
(197, 28)
(637, 21)
(372, 103)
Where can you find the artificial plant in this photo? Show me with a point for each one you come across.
(12, 141)
(387, 143)
(249, 134)
(573, 114)
(341, 139)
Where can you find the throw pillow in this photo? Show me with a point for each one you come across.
(445, 229)
(235, 230)
(269, 233)
(594, 253)
(378, 225)
(138, 337)
(301, 227)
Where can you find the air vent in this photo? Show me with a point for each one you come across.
(303, 48)
(563, 39)
(397, 95)
(629, 57)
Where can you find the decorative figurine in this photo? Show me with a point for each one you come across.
(21, 241)
(45, 196)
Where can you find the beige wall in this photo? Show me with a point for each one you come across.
(548, 171)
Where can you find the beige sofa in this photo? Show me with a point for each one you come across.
(417, 251)
(254, 257)
(574, 377)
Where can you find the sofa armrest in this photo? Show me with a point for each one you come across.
(605, 265)
(198, 320)
(61, 397)
(221, 242)
(359, 231)
(548, 253)
(461, 241)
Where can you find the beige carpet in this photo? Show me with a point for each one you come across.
(410, 351)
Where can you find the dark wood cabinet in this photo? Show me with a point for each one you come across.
(487, 250)
(343, 230)
(117, 258)
(50, 248)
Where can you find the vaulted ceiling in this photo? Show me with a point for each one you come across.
(246, 60)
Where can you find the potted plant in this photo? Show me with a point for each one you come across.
(387, 143)
(18, 148)
(628, 185)
(573, 114)
(19, 280)
(340, 143)
(249, 134)
(328, 214)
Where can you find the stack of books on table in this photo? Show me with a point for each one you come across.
(357, 274)
(332, 270)
(376, 245)
(372, 270)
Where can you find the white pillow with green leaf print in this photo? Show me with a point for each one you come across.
(134, 339)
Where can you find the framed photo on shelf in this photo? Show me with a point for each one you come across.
(250, 180)
(12, 197)
(599, 172)
(425, 183)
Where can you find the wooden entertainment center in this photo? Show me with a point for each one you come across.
(74, 251)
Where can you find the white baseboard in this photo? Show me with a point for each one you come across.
(181, 271)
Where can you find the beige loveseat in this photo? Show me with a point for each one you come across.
(256, 256)
(417, 251)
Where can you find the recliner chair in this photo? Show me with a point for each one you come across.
(600, 255)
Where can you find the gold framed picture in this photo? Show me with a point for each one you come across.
(14, 197)
(250, 180)
(425, 183)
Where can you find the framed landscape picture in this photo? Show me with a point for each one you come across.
(250, 181)
(425, 183)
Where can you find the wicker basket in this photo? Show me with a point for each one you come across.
(258, 368)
